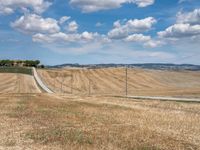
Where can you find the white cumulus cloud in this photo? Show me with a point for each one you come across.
(96, 5)
(72, 26)
(9, 6)
(180, 31)
(65, 37)
(56, 37)
(189, 17)
(131, 26)
(137, 38)
(33, 23)
(187, 26)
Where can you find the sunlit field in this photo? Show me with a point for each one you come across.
(41, 121)
(112, 81)
(103, 118)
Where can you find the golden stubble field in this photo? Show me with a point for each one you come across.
(112, 81)
(17, 83)
(30, 119)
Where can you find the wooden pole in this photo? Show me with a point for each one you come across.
(126, 81)
(62, 80)
(55, 83)
(71, 82)
(19, 83)
(60, 83)
(89, 90)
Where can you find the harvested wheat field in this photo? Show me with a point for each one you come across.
(113, 81)
(17, 83)
(33, 120)
(49, 122)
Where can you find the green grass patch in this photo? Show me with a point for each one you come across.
(23, 70)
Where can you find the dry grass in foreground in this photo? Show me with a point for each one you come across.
(39, 121)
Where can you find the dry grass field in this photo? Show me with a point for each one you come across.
(17, 83)
(33, 120)
(49, 122)
(112, 82)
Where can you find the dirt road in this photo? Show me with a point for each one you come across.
(40, 82)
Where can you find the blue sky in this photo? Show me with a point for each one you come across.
(97, 31)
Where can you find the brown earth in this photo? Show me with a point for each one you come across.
(112, 81)
(17, 83)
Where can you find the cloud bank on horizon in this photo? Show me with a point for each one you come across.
(98, 31)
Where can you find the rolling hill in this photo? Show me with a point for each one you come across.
(112, 81)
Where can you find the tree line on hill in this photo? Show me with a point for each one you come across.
(19, 63)
(155, 66)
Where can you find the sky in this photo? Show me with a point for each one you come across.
(101, 31)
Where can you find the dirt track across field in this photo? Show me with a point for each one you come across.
(40, 83)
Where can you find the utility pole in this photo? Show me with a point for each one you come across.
(71, 81)
(18, 83)
(60, 80)
(55, 83)
(89, 90)
(126, 81)
(61, 83)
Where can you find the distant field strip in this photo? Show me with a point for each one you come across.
(22, 70)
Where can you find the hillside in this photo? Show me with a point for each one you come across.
(112, 81)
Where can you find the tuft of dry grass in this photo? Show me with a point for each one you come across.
(60, 135)
(10, 143)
